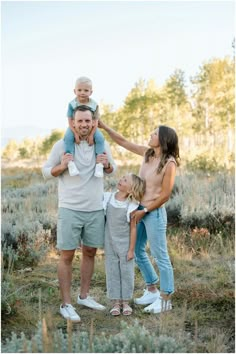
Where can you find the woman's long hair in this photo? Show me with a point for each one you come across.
(168, 140)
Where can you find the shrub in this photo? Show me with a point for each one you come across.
(209, 162)
(29, 213)
(7, 285)
(204, 164)
(28, 226)
(131, 339)
(200, 201)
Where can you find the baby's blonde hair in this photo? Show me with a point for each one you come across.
(83, 80)
(138, 187)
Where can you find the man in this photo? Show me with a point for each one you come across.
(80, 214)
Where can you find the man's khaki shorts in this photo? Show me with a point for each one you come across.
(76, 227)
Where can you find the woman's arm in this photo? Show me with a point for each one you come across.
(130, 254)
(120, 140)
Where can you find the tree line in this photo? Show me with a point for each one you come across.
(202, 114)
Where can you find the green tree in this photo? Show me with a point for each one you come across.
(176, 107)
(213, 103)
(49, 141)
(138, 114)
(26, 148)
(23, 153)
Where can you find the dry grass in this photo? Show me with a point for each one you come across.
(203, 303)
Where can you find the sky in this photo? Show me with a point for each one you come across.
(47, 45)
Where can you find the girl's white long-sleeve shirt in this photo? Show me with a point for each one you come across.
(130, 205)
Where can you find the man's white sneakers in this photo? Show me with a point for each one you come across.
(69, 313)
(73, 170)
(91, 303)
(147, 298)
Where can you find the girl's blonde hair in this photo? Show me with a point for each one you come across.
(137, 188)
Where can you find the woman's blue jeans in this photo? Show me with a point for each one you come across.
(152, 228)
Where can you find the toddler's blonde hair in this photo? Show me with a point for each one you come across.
(83, 80)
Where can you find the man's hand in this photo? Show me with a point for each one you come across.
(66, 158)
(102, 158)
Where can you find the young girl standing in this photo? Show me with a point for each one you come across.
(120, 237)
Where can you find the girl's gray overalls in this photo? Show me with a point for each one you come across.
(119, 271)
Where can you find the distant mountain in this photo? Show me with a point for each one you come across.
(21, 132)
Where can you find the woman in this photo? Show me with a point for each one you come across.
(158, 169)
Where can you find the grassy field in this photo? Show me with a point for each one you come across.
(202, 319)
